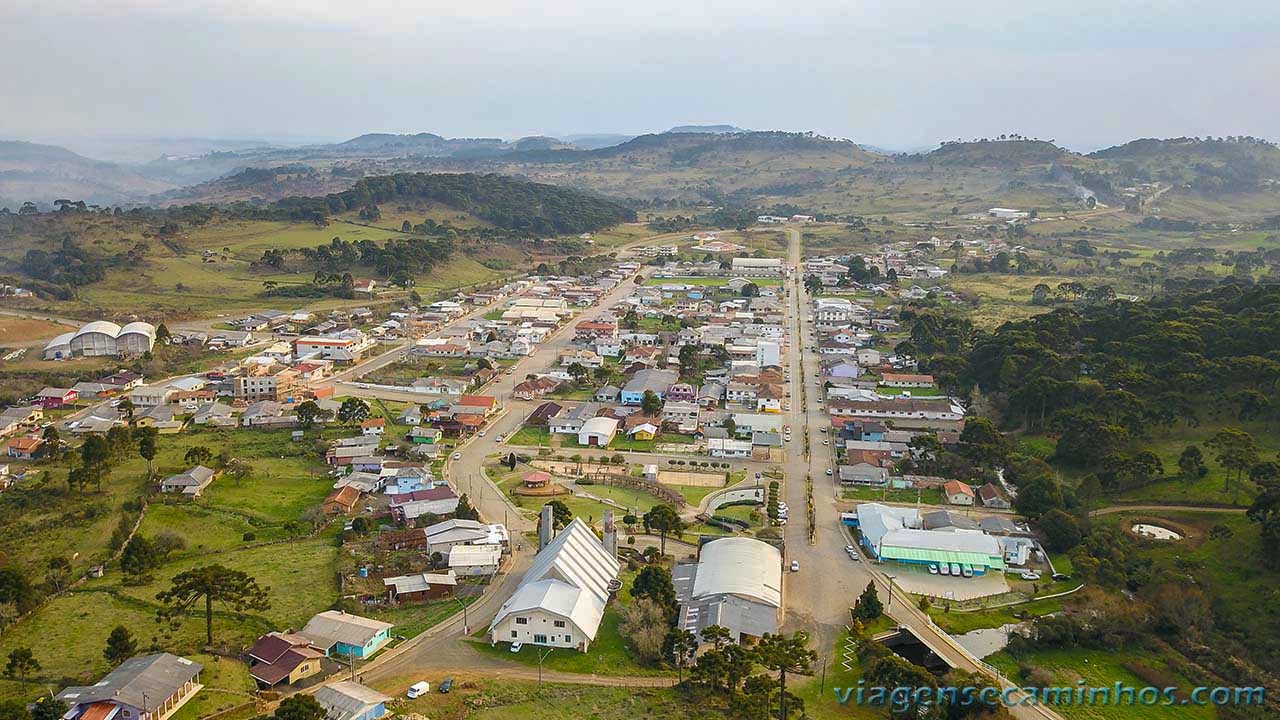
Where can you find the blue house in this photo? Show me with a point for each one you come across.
(655, 381)
(345, 635)
(347, 700)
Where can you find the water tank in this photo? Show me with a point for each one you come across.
(364, 572)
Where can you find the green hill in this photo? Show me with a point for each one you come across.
(1209, 165)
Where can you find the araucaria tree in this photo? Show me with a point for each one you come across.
(212, 583)
(784, 655)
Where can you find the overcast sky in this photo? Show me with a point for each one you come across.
(897, 74)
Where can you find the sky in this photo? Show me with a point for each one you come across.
(900, 75)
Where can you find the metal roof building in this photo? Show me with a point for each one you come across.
(736, 583)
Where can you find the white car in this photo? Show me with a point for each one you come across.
(1029, 575)
(829, 472)
(457, 456)
(418, 689)
(933, 569)
(795, 566)
(826, 442)
(481, 433)
(499, 438)
(517, 647)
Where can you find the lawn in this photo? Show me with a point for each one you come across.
(414, 619)
(227, 684)
(1101, 669)
(530, 436)
(959, 623)
(486, 699)
(926, 496)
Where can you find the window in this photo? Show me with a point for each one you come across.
(513, 633)
(522, 621)
(559, 623)
(540, 639)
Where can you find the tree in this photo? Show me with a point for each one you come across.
(679, 646)
(139, 557)
(308, 412)
(784, 655)
(578, 372)
(147, 448)
(665, 520)
(300, 706)
(464, 510)
(868, 605)
(57, 573)
(22, 664)
(126, 408)
(1265, 511)
(197, 455)
(352, 410)
(1236, 451)
(52, 442)
(95, 455)
(731, 427)
(237, 470)
(120, 646)
(560, 514)
(750, 290)
(1061, 531)
(1191, 465)
(643, 622)
(213, 584)
(654, 582)
(47, 708)
(717, 635)
(14, 710)
(650, 403)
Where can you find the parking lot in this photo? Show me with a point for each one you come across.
(917, 580)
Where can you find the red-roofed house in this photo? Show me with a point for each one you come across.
(958, 493)
(283, 658)
(488, 402)
(591, 331)
(24, 448)
(50, 398)
(342, 501)
(373, 426)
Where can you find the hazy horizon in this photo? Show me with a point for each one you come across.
(1086, 74)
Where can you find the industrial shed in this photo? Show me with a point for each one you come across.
(736, 584)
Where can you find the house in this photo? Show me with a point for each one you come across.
(542, 414)
(769, 398)
(443, 536)
(598, 432)
(958, 493)
(736, 584)
(419, 587)
(681, 392)
(422, 435)
(485, 404)
(432, 501)
(607, 394)
(683, 415)
(373, 426)
(474, 560)
(277, 658)
(571, 422)
(580, 356)
(160, 417)
(50, 398)
(346, 635)
(561, 598)
(411, 415)
(347, 700)
(862, 474)
(589, 331)
(24, 448)
(992, 497)
(905, 380)
(655, 381)
(534, 389)
(642, 428)
(341, 501)
(728, 448)
(145, 687)
(190, 483)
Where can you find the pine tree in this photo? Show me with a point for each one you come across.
(120, 646)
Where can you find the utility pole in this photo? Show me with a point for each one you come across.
(889, 605)
(542, 656)
(466, 625)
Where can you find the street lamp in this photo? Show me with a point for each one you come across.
(889, 605)
(542, 656)
(466, 625)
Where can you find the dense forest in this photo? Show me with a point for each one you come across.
(505, 202)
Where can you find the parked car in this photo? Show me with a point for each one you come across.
(418, 689)
(457, 456)
(517, 647)
(795, 566)
(825, 442)
(1029, 575)
(945, 569)
(446, 685)
(481, 433)
(933, 569)
(966, 571)
(955, 569)
(829, 473)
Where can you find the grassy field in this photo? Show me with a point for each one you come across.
(22, 330)
(926, 496)
(488, 699)
(959, 623)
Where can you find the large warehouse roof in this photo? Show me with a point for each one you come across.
(874, 520)
(968, 547)
(740, 566)
(99, 326)
(140, 328)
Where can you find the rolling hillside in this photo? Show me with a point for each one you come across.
(44, 173)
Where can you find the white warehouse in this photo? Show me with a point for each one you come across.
(102, 338)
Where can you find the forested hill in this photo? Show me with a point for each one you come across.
(994, 153)
(506, 202)
(1211, 165)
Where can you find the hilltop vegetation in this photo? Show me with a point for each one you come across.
(1209, 165)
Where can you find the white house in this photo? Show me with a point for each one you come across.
(561, 599)
(598, 432)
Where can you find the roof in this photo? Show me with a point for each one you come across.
(153, 677)
(570, 577)
(63, 339)
(346, 699)
(140, 328)
(600, 425)
(195, 477)
(968, 547)
(740, 566)
(419, 582)
(99, 326)
(947, 519)
(334, 626)
(955, 487)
